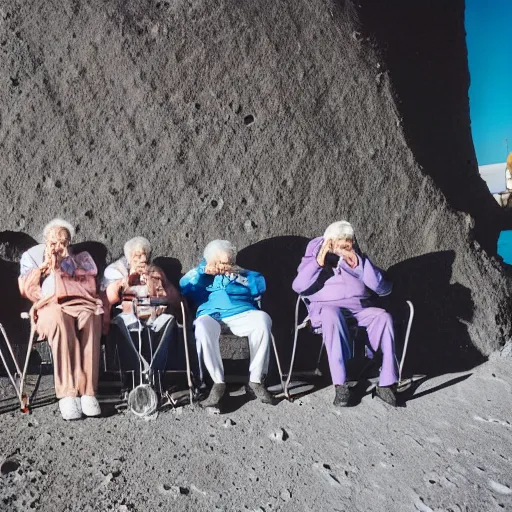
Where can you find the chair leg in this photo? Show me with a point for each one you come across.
(278, 361)
(406, 342)
(11, 376)
(317, 369)
(295, 336)
(187, 358)
(24, 400)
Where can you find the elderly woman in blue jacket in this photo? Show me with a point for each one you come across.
(227, 294)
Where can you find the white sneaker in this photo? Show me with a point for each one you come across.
(90, 406)
(70, 408)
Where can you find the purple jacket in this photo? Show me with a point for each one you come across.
(344, 289)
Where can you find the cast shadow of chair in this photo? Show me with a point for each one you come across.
(278, 259)
(439, 342)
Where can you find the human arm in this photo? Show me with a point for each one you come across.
(309, 269)
(29, 280)
(374, 278)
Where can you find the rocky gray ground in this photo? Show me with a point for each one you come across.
(449, 449)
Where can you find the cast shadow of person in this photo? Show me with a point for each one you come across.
(172, 269)
(278, 259)
(439, 341)
(12, 245)
(97, 251)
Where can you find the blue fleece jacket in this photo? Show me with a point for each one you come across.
(222, 296)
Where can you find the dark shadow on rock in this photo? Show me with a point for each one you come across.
(439, 342)
(98, 252)
(172, 268)
(12, 245)
(278, 259)
(424, 50)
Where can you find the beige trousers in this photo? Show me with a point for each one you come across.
(73, 330)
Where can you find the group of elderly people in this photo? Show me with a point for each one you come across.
(71, 311)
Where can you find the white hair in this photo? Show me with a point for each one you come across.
(61, 224)
(216, 246)
(136, 243)
(340, 229)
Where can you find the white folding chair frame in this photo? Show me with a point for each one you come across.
(401, 385)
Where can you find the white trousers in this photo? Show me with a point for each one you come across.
(256, 325)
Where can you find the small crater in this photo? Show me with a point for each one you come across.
(248, 120)
(9, 466)
(15, 81)
(185, 491)
(244, 201)
(58, 183)
(198, 106)
(89, 214)
(214, 203)
(249, 226)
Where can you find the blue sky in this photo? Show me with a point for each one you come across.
(489, 42)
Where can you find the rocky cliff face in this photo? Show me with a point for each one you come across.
(258, 121)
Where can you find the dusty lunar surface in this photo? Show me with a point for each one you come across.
(448, 449)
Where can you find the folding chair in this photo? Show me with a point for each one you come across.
(18, 378)
(148, 378)
(402, 384)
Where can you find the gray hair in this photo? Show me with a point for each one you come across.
(136, 243)
(340, 229)
(216, 246)
(61, 224)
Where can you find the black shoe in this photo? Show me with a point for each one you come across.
(342, 397)
(216, 393)
(258, 390)
(386, 394)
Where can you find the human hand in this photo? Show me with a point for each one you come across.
(216, 268)
(52, 259)
(211, 269)
(326, 247)
(350, 257)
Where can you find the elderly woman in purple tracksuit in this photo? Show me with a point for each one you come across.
(334, 277)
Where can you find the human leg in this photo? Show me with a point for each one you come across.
(207, 332)
(257, 326)
(59, 329)
(336, 338)
(379, 326)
